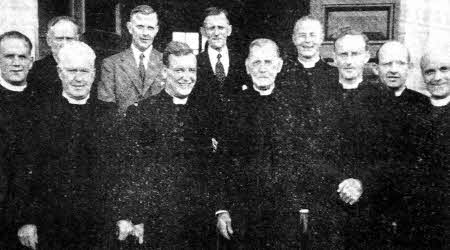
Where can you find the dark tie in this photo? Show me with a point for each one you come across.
(220, 71)
(142, 69)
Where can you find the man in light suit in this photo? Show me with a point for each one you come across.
(131, 76)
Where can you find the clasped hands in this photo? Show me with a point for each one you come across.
(127, 228)
(350, 190)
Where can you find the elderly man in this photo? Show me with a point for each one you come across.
(66, 186)
(255, 196)
(168, 176)
(16, 115)
(43, 77)
(131, 76)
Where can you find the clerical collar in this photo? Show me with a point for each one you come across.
(75, 101)
(399, 92)
(353, 85)
(264, 92)
(177, 100)
(12, 87)
(440, 102)
(310, 63)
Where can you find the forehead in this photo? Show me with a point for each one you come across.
(64, 28)
(436, 61)
(188, 60)
(265, 52)
(393, 53)
(308, 26)
(150, 19)
(75, 60)
(216, 20)
(14, 45)
(350, 43)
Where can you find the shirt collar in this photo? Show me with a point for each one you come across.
(353, 85)
(223, 52)
(11, 87)
(264, 92)
(137, 53)
(75, 101)
(440, 102)
(177, 100)
(400, 91)
(310, 63)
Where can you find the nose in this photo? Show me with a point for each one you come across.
(16, 61)
(308, 38)
(216, 31)
(438, 75)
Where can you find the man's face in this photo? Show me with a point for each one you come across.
(143, 29)
(216, 29)
(308, 38)
(77, 74)
(350, 56)
(436, 75)
(60, 34)
(15, 61)
(393, 66)
(181, 74)
(263, 64)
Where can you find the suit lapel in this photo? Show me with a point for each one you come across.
(152, 71)
(130, 68)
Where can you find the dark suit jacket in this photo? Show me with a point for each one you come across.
(43, 78)
(208, 92)
(120, 82)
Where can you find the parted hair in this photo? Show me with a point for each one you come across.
(177, 49)
(17, 35)
(142, 9)
(347, 31)
(214, 11)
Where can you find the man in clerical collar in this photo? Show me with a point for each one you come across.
(132, 75)
(43, 77)
(435, 71)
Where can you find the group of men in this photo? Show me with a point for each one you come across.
(199, 152)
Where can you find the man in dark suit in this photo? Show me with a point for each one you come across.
(65, 208)
(220, 69)
(131, 75)
(17, 109)
(168, 175)
(43, 77)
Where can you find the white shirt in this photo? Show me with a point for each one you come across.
(265, 91)
(350, 85)
(179, 101)
(75, 101)
(225, 59)
(440, 102)
(11, 87)
(310, 63)
(137, 53)
(399, 91)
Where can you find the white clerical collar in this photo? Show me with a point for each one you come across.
(75, 101)
(440, 102)
(137, 53)
(264, 92)
(12, 87)
(399, 91)
(353, 85)
(177, 100)
(309, 63)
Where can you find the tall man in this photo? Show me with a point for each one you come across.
(17, 108)
(131, 75)
(43, 77)
(220, 68)
(168, 174)
(64, 210)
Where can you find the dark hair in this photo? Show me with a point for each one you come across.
(17, 35)
(142, 9)
(177, 49)
(57, 19)
(347, 31)
(214, 11)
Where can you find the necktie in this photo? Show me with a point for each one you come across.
(220, 71)
(142, 69)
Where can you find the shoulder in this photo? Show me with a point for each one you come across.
(117, 57)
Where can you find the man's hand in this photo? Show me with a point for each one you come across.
(127, 228)
(28, 235)
(350, 190)
(224, 225)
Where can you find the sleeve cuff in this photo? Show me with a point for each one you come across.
(221, 212)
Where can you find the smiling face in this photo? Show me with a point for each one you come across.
(350, 55)
(436, 74)
(15, 61)
(393, 65)
(143, 29)
(263, 64)
(217, 29)
(181, 75)
(308, 37)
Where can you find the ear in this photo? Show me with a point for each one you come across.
(366, 56)
(129, 27)
(164, 73)
(247, 66)
(230, 29)
(59, 72)
(279, 65)
(156, 29)
(376, 70)
(203, 31)
(31, 63)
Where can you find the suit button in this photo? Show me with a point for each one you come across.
(181, 139)
(181, 124)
